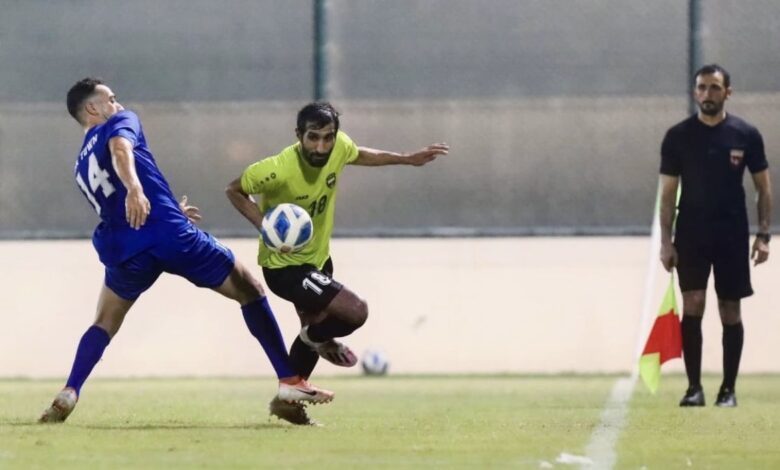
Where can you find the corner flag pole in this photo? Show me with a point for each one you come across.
(650, 278)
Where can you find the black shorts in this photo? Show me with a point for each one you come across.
(727, 254)
(310, 289)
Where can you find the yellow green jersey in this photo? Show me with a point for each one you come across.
(287, 178)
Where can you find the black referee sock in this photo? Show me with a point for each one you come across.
(691, 341)
(733, 338)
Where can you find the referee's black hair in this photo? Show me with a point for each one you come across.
(319, 114)
(79, 93)
(710, 69)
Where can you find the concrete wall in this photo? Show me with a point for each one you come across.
(541, 305)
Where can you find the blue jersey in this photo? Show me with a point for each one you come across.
(114, 239)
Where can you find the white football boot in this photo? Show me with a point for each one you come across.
(332, 351)
(303, 392)
(61, 407)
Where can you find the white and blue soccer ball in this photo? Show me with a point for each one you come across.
(374, 362)
(286, 228)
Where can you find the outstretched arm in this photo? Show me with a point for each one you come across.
(137, 206)
(244, 203)
(760, 252)
(668, 202)
(373, 157)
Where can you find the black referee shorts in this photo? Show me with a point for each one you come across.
(310, 289)
(727, 254)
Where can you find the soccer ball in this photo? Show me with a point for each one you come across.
(374, 362)
(286, 228)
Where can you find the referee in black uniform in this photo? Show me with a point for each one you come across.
(708, 154)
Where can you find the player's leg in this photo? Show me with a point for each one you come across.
(327, 310)
(290, 284)
(732, 283)
(201, 259)
(310, 345)
(111, 312)
(122, 286)
(333, 316)
(241, 286)
(302, 357)
(693, 269)
(343, 315)
(693, 311)
(733, 339)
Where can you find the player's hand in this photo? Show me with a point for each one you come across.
(760, 252)
(428, 154)
(137, 207)
(668, 256)
(192, 212)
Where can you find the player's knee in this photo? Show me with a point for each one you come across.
(693, 303)
(730, 312)
(248, 288)
(360, 314)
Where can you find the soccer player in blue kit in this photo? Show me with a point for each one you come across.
(143, 232)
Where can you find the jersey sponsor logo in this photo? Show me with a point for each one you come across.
(302, 198)
(736, 156)
(331, 180)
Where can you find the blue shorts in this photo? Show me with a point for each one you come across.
(186, 251)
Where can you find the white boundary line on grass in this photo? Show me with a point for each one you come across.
(601, 447)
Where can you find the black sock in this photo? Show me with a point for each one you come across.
(691, 340)
(330, 328)
(733, 338)
(302, 358)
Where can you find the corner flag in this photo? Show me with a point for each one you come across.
(664, 343)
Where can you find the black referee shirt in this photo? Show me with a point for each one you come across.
(710, 162)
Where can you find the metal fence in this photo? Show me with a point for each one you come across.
(554, 109)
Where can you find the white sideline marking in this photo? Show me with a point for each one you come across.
(601, 447)
(573, 459)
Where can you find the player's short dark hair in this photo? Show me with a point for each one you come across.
(79, 93)
(319, 114)
(710, 69)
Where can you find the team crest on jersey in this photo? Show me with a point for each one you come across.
(331, 180)
(736, 156)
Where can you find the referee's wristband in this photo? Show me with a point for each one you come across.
(764, 237)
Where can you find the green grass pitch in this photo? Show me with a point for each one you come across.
(390, 422)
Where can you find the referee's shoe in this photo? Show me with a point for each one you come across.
(694, 396)
(726, 398)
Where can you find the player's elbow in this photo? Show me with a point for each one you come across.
(233, 190)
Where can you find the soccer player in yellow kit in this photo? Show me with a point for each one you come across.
(306, 173)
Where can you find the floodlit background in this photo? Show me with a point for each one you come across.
(554, 111)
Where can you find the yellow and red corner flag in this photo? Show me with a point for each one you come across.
(664, 343)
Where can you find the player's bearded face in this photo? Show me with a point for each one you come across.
(317, 144)
(104, 103)
(711, 94)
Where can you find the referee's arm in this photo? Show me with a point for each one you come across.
(666, 219)
(760, 251)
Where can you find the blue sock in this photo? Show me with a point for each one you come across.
(88, 354)
(262, 324)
